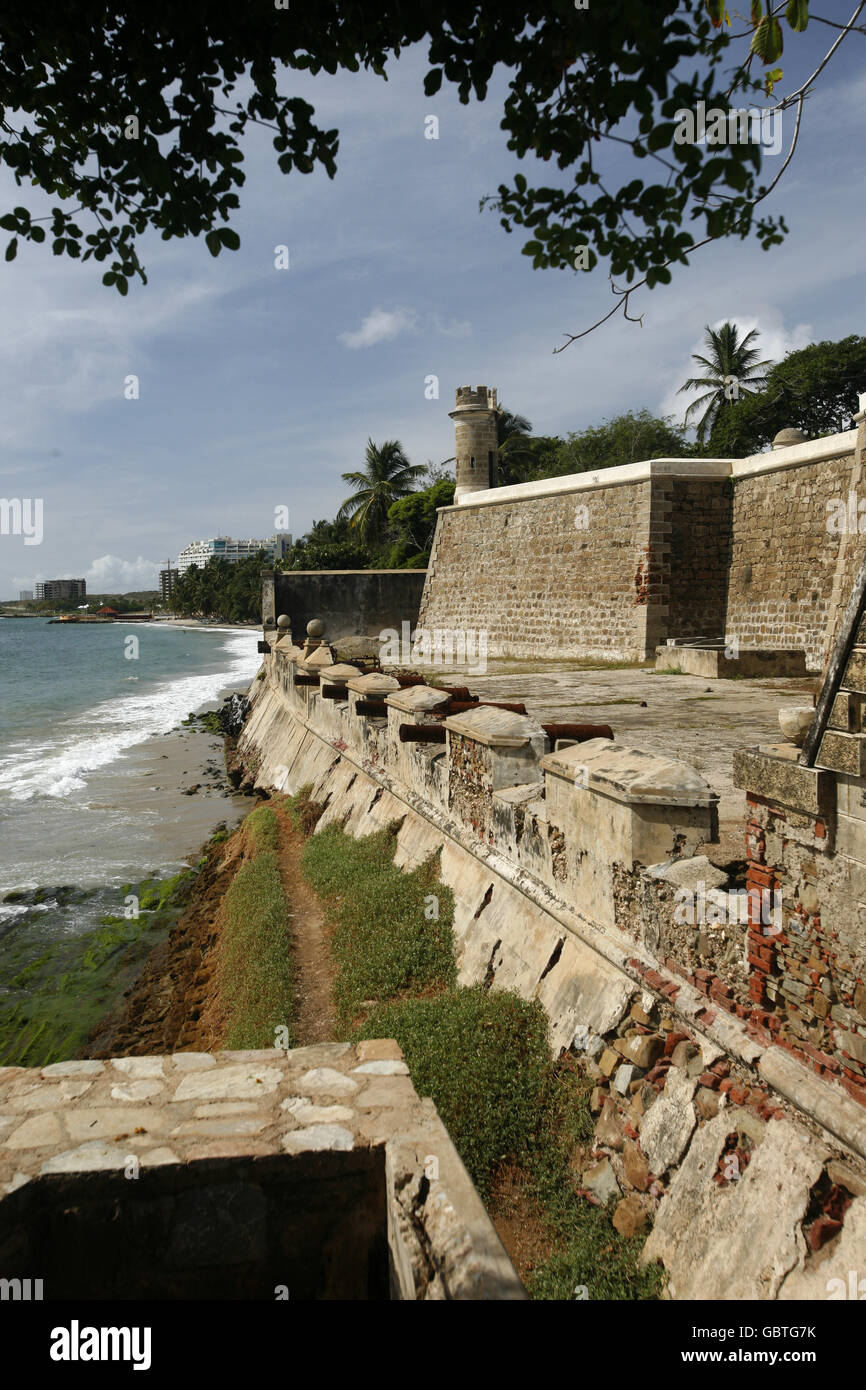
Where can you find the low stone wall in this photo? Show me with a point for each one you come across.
(313, 1173)
(352, 603)
(559, 896)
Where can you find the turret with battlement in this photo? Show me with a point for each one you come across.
(476, 450)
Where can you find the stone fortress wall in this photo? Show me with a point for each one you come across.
(729, 1049)
(612, 564)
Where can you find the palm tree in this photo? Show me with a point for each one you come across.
(387, 476)
(512, 433)
(732, 367)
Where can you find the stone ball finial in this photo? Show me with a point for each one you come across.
(315, 628)
(284, 622)
(785, 438)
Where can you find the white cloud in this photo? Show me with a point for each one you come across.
(110, 574)
(452, 328)
(380, 326)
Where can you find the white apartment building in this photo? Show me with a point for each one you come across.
(199, 552)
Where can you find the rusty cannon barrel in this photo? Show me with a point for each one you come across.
(304, 678)
(459, 692)
(464, 706)
(579, 732)
(371, 707)
(422, 733)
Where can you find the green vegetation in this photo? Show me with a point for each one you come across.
(53, 993)
(813, 389)
(731, 370)
(482, 1056)
(484, 1060)
(229, 592)
(143, 601)
(569, 81)
(387, 476)
(256, 969)
(392, 930)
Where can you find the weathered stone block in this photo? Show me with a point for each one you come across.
(855, 672)
(778, 777)
(843, 753)
(847, 712)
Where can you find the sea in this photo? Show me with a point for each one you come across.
(94, 756)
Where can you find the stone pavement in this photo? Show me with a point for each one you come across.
(129, 1115)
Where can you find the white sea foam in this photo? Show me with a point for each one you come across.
(89, 741)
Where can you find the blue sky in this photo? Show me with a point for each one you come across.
(259, 387)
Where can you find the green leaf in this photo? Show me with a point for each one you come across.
(797, 15)
(767, 41)
(229, 238)
(12, 249)
(432, 82)
(214, 242)
(108, 278)
(736, 176)
(122, 284)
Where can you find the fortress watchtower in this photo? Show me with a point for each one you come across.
(476, 448)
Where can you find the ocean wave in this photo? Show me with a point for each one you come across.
(58, 768)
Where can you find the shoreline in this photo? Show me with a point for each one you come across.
(69, 956)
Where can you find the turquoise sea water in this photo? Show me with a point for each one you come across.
(93, 769)
(75, 703)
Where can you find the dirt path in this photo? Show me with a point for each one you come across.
(314, 1017)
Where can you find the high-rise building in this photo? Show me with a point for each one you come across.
(24, 595)
(225, 548)
(167, 581)
(61, 588)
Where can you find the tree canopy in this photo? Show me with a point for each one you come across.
(134, 120)
(814, 389)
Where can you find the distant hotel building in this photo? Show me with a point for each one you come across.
(223, 547)
(24, 595)
(61, 588)
(167, 581)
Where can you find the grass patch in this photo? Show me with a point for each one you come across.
(588, 1251)
(303, 812)
(481, 1056)
(483, 1059)
(392, 930)
(256, 972)
(262, 828)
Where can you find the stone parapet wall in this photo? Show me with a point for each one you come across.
(601, 837)
(351, 602)
(567, 575)
(609, 565)
(808, 965)
(705, 1123)
(787, 565)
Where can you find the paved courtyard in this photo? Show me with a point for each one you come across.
(698, 720)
